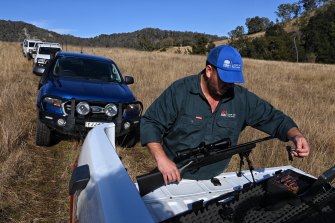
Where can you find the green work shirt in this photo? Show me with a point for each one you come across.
(182, 118)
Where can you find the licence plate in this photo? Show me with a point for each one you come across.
(92, 124)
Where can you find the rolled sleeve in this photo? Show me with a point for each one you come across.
(264, 117)
(149, 131)
(159, 117)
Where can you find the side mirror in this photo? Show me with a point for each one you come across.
(79, 179)
(128, 80)
(38, 70)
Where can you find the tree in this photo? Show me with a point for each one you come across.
(319, 35)
(210, 46)
(145, 43)
(276, 44)
(200, 46)
(236, 33)
(288, 11)
(308, 5)
(322, 2)
(295, 10)
(257, 24)
(257, 49)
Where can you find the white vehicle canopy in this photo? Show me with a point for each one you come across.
(45, 51)
(29, 46)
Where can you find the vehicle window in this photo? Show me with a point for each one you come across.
(115, 73)
(86, 69)
(48, 50)
(31, 44)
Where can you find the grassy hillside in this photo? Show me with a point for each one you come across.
(33, 180)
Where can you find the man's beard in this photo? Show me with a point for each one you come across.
(214, 92)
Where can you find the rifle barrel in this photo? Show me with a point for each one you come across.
(252, 142)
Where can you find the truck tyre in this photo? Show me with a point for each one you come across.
(43, 134)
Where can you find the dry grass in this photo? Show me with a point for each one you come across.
(33, 180)
(16, 116)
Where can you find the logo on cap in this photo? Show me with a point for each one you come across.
(226, 63)
(229, 64)
(236, 66)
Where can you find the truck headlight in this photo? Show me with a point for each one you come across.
(111, 110)
(83, 108)
(131, 108)
(53, 101)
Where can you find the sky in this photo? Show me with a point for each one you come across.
(84, 18)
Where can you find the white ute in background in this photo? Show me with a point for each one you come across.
(45, 51)
(29, 47)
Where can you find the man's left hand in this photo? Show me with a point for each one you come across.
(301, 144)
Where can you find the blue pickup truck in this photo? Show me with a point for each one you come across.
(78, 92)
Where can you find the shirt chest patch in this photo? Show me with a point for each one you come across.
(225, 113)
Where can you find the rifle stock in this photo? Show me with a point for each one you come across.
(151, 181)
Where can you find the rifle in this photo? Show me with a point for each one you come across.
(323, 183)
(200, 156)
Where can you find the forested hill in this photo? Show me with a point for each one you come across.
(307, 37)
(145, 39)
(305, 33)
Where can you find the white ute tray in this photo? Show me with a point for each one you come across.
(111, 195)
(170, 200)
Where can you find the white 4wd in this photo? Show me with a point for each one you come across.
(102, 191)
(44, 52)
(29, 47)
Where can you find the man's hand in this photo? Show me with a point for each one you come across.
(169, 170)
(302, 147)
(166, 166)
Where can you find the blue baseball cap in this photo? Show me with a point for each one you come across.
(228, 62)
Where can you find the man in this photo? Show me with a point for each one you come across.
(206, 108)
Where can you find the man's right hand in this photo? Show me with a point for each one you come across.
(169, 170)
(166, 166)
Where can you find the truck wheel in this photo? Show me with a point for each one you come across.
(129, 140)
(43, 134)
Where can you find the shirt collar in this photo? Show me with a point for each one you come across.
(195, 87)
